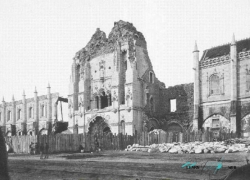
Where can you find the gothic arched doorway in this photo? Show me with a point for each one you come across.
(245, 126)
(175, 128)
(97, 129)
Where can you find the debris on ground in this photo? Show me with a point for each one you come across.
(229, 146)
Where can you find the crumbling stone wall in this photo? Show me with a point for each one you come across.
(184, 105)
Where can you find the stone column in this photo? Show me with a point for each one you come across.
(24, 119)
(13, 111)
(234, 63)
(36, 112)
(49, 109)
(196, 68)
(109, 103)
(3, 115)
(55, 111)
(100, 102)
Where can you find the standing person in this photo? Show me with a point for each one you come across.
(96, 144)
(3, 159)
(31, 148)
(41, 150)
(46, 151)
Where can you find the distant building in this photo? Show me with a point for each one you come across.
(29, 116)
(222, 88)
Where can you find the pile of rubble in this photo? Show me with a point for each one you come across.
(192, 147)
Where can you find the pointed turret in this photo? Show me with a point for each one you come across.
(233, 40)
(35, 94)
(23, 93)
(48, 89)
(3, 99)
(196, 67)
(13, 99)
(195, 47)
(234, 84)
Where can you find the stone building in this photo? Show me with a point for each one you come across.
(113, 88)
(29, 115)
(112, 84)
(222, 88)
(177, 108)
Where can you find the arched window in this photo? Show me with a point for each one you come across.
(151, 77)
(152, 109)
(30, 112)
(214, 84)
(77, 78)
(122, 127)
(104, 100)
(9, 115)
(97, 102)
(19, 111)
(248, 82)
(43, 110)
(125, 65)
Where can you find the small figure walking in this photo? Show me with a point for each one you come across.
(96, 144)
(46, 151)
(41, 150)
(31, 148)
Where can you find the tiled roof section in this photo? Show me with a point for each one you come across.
(225, 49)
(216, 52)
(243, 45)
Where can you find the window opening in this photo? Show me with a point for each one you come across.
(214, 84)
(173, 105)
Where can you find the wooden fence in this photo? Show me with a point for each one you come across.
(20, 144)
(72, 142)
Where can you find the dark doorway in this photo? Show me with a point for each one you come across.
(97, 129)
(106, 130)
(97, 102)
(104, 100)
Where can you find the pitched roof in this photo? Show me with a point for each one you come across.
(225, 49)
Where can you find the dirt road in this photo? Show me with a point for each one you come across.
(119, 165)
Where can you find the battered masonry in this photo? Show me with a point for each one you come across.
(113, 88)
(29, 116)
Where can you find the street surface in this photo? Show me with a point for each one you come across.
(115, 165)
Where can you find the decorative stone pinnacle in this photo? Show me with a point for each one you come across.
(233, 40)
(35, 90)
(23, 93)
(48, 85)
(3, 99)
(195, 47)
(13, 99)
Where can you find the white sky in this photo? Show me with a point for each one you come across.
(39, 38)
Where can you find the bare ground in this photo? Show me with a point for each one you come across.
(118, 165)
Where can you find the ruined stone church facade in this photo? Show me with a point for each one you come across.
(112, 83)
(113, 88)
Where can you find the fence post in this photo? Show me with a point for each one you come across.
(180, 137)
